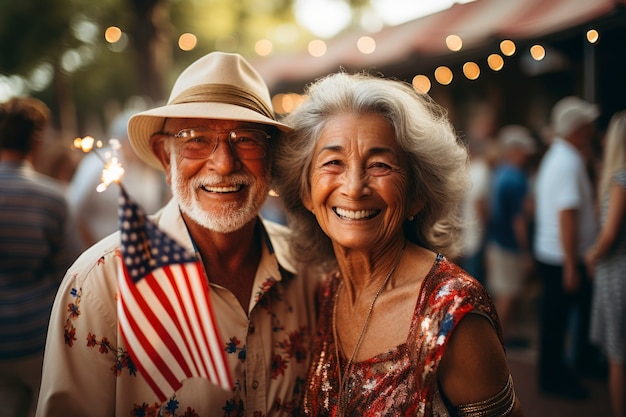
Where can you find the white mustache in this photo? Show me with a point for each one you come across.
(218, 182)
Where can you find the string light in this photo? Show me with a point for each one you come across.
(538, 52)
(471, 70)
(443, 75)
(495, 62)
(263, 47)
(366, 45)
(507, 47)
(593, 36)
(454, 43)
(187, 41)
(421, 83)
(317, 48)
(112, 34)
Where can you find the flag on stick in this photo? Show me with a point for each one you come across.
(164, 309)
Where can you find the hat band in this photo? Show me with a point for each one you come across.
(224, 93)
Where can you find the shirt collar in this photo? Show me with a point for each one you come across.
(171, 222)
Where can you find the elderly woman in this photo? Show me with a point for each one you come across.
(372, 178)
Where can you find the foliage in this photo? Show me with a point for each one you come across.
(105, 76)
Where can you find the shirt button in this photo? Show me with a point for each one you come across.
(251, 328)
(255, 384)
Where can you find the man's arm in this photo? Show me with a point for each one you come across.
(80, 360)
(569, 239)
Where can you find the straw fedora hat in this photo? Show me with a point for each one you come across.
(219, 86)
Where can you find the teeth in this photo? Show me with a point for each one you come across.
(231, 189)
(355, 215)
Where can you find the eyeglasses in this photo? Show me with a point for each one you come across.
(200, 143)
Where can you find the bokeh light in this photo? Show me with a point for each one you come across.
(495, 62)
(317, 48)
(443, 75)
(263, 47)
(538, 52)
(593, 36)
(421, 83)
(366, 45)
(112, 34)
(187, 41)
(285, 103)
(471, 70)
(454, 43)
(507, 47)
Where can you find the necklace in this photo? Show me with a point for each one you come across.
(342, 402)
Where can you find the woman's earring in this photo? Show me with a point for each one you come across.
(411, 218)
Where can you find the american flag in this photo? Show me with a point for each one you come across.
(164, 310)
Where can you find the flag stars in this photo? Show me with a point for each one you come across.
(136, 230)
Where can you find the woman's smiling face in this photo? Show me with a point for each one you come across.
(359, 184)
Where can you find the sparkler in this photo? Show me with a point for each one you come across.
(113, 170)
(200, 354)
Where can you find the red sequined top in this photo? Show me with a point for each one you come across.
(402, 381)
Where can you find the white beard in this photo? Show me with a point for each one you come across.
(225, 218)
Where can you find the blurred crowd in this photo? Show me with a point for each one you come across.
(539, 213)
(546, 212)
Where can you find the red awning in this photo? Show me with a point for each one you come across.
(476, 23)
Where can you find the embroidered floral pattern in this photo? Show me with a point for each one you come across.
(123, 360)
(73, 311)
(234, 346)
(169, 409)
(233, 408)
(295, 346)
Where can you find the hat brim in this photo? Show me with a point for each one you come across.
(143, 125)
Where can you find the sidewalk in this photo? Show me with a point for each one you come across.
(523, 364)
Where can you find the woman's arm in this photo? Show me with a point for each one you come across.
(474, 367)
(612, 225)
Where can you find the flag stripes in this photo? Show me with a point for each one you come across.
(164, 309)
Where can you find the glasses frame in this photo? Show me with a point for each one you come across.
(231, 133)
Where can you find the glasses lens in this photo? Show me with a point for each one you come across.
(196, 144)
(249, 143)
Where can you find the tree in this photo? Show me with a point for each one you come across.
(84, 77)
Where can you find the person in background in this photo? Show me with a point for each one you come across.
(475, 208)
(215, 140)
(372, 178)
(606, 259)
(565, 228)
(96, 212)
(35, 251)
(509, 260)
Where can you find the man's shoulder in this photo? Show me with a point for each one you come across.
(279, 236)
(97, 258)
(39, 185)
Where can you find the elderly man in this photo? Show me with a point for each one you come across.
(214, 140)
(565, 229)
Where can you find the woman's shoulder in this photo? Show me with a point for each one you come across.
(449, 278)
(449, 291)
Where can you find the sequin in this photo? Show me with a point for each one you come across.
(402, 381)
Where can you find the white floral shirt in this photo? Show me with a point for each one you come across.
(88, 372)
